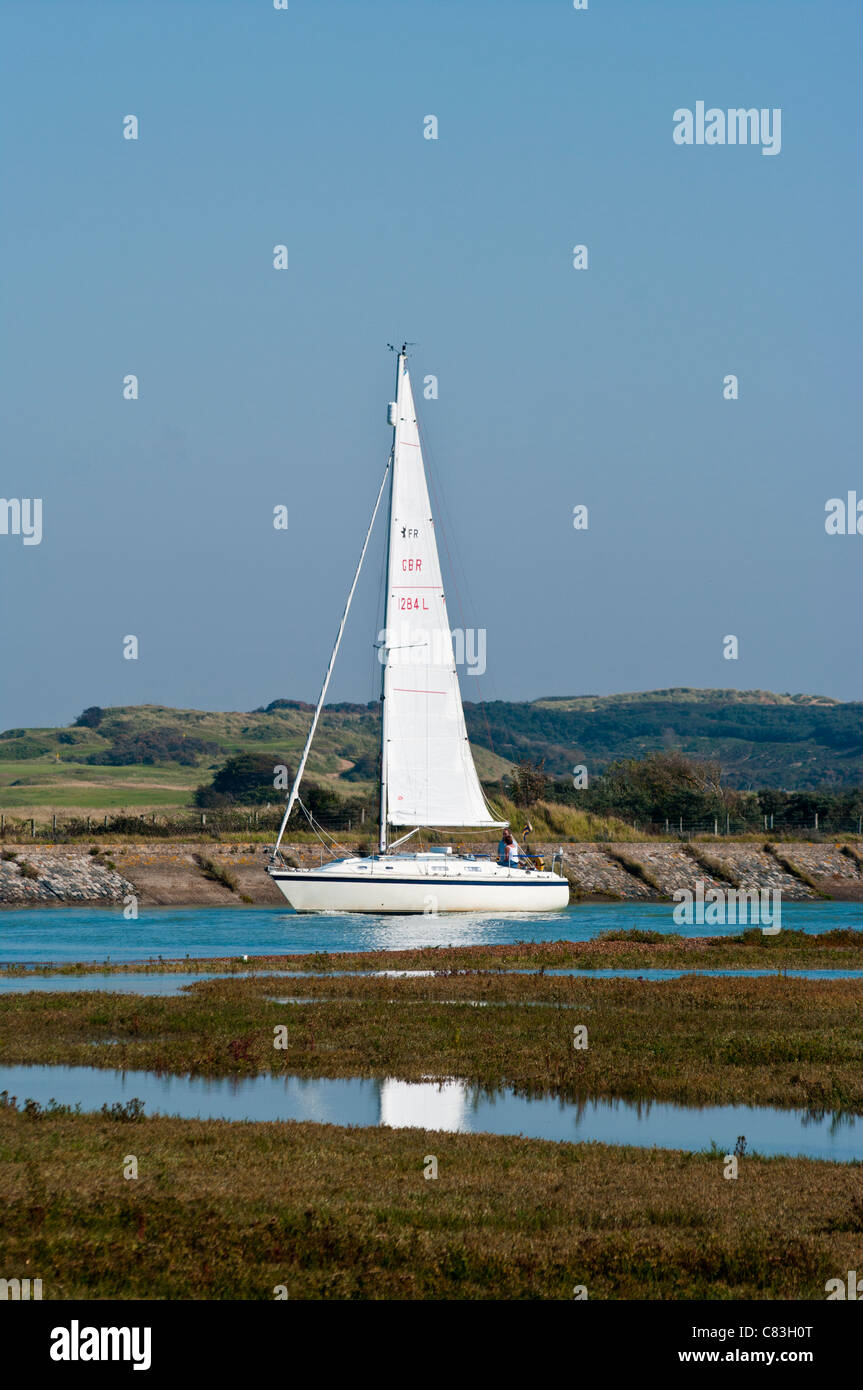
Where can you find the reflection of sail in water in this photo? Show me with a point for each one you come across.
(424, 1104)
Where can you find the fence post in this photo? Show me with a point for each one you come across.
(666, 825)
(203, 818)
(715, 826)
(106, 822)
(33, 829)
(726, 823)
(54, 825)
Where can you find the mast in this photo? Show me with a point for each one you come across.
(382, 841)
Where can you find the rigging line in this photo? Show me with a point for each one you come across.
(318, 829)
(444, 516)
(295, 789)
(375, 676)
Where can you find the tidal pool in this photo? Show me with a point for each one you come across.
(172, 984)
(449, 1105)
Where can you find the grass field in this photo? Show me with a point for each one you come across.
(228, 1211)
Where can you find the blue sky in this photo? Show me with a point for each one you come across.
(556, 386)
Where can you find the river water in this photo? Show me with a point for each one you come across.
(40, 935)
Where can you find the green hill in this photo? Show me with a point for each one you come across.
(798, 742)
(153, 757)
(150, 757)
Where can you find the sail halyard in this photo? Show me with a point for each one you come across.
(428, 774)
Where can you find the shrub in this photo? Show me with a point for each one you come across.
(128, 1113)
(529, 783)
(22, 749)
(91, 718)
(246, 779)
(169, 745)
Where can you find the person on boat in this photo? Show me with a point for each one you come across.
(510, 849)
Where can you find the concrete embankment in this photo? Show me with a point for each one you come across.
(218, 874)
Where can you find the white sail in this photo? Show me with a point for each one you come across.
(428, 769)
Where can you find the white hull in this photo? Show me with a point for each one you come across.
(430, 885)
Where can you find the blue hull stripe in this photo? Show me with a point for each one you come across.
(378, 879)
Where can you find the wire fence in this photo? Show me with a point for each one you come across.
(363, 822)
(232, 821)
(818, 825)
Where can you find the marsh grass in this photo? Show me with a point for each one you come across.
(772, 1041)
(793, 869)
(228, 1211)
(216, 873)
(636, 869)
(711, 864)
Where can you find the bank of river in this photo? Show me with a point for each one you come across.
(217, 874)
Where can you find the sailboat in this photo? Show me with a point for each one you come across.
(427, 773)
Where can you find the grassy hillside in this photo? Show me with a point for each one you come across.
(51, 768)
(761, 739)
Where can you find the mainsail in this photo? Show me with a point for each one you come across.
(428, 775)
